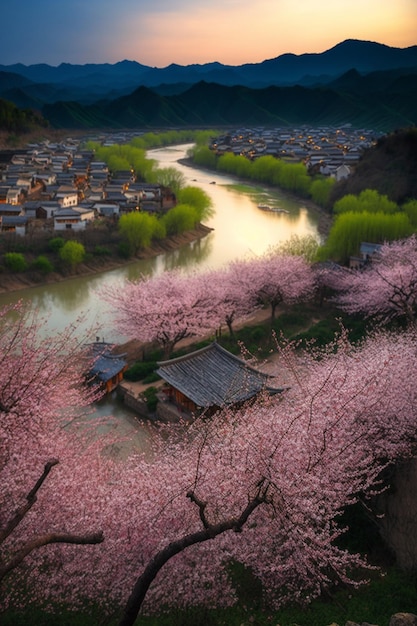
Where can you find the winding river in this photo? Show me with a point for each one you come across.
(240, 229)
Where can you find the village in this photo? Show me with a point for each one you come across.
(324, 150)
(60, 186)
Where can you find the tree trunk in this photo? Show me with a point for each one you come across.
(144, 581)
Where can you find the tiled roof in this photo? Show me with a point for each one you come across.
(213, 376)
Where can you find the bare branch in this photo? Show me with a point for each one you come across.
(31, 499)
(47, 539)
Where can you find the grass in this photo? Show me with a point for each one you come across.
(387, 593)
(306, 322)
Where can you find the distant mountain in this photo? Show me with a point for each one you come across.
(287, 69)
(357, 82)
(210, 104)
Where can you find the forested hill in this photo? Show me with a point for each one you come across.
(390, 105)
(16, 120)
(390, 167)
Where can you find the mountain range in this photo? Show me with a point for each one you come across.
(358, 82)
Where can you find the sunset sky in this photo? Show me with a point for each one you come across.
(160, 32)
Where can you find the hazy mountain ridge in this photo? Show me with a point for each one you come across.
(363, 83)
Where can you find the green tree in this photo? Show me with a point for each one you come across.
(306, 246)
(351, 228)
(181, 218)
(43, 264)
(266, 169)
(410, 209)
(72, 253)
(320, 190)
(15, 261)
(198, 199)
(369, 200)
(139, 229)
(55, 244)
(168, 177)
(294, 177)
(203, 156)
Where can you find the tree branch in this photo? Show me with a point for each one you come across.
(30, 501)
(47, 539)
(210, 531)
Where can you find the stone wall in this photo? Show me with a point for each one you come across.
(398, 525)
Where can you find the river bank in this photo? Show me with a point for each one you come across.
(325, 220)
(18, 281)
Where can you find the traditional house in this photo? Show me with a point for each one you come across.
(368, 253)
(207, 380)
(72, 218)
(14, 224)
(108, 368)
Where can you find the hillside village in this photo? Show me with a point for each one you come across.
(60, 186)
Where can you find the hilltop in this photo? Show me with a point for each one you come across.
(389, 167)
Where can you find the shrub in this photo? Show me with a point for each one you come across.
(101, 251)
(124, 251)
(15, 261)
(56, 244)
(72, 253)
(151, 398)
(43, 264)
(140, 370)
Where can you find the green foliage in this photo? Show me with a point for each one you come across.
(55, 244)
(139, 229)
(181, 218)
(123, 250)
(72, 253)
(198, 199)
(306, 246)
(15, 120)
(351, 228)
(268, 169)
(140, 370)
(168, 177)
(43, 264)
(101, 251)
(15, 261)
(204, 157)
(368, 200)
(320, 190)
(410, 209)
(151, 398)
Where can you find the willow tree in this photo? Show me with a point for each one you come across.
(351, 228)
(139, 229)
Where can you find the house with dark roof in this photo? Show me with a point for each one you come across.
(108, 368)
(209, 379)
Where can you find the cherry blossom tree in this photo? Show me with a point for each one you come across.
(41, 389)
(232, 290)
(386, 288)
(278, 278)
(165, 308)
(264, 484)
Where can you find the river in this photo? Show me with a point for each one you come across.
(240, 229)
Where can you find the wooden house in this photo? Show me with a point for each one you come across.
(210, 379)
(108, 368)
